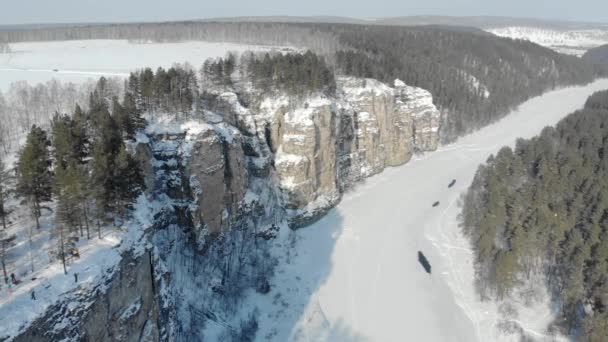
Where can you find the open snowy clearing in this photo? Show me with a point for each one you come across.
(355, 275)
(570, 42)
(79, 60)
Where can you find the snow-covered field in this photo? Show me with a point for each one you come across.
(572, 42)
(354, 275)
(79, 60)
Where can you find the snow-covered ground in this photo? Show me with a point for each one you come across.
(354, 275)
(79, 60)
(572, 42)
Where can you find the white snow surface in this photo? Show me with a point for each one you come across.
(354, 88)
(354, 275)
(79, 60)
(572, 42)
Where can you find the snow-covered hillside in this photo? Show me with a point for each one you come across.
(572, 42)
(78, 60)
(354, 275)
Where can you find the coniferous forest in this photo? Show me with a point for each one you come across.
(295, 74)
(542, 208)
(83, 166)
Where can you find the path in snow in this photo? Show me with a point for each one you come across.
(355, 274)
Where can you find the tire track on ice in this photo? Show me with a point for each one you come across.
(457, 280)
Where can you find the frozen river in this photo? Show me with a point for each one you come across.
(355, 275)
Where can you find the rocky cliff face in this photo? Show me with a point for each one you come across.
(217, 167)
(425, 116)
(304, 141)
(322, 145)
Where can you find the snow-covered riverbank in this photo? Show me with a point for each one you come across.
(354, 275)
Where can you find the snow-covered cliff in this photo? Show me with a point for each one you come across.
(312, 149)
(322, 145)
(222, 181)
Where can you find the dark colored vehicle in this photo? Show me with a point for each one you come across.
(436, 204)
(55, 70)
(424, 262)
(452, 183)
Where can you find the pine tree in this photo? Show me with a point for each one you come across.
(63, 227)
(61, 138)
(80, 139)
(123, 120)
(228, 68)
(134, 112)
(106, 132)
(133, 89)
(146, 86)
(100, 184)
(34, 176)
(71, 186)
(128, 180)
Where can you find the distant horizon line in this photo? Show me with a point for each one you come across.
(303, 18)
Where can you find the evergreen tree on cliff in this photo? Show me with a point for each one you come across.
(128, 181)
(34, 176)
(100, 184)
(64, 223)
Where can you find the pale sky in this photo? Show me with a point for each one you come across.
(53, 11)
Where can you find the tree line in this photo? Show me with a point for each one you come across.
(296, 74)
(475, 78)
(82, 165)
(542, 208)
(171, 90)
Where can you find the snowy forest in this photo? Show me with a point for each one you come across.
(542, 208)
(79, 169)
(474, 76)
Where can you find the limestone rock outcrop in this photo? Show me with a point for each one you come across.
(218, 175)
(322, 145)
(426, 117)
